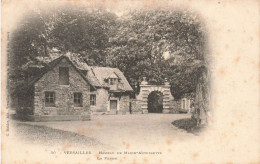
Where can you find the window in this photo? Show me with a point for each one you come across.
(188, 104)
(64, 76)
(113, 81)
(78, 99)
(183, 104)
(93, 100)
(49, 99)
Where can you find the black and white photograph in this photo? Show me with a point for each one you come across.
(129, 82)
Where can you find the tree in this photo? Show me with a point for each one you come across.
(136, 45)
(29, 40)
(142, 39)
(83, 32)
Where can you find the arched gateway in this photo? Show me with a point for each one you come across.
(146, 89)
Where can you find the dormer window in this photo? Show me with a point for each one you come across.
(113, 81)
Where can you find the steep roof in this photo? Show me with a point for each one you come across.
(25, 87)
(76, 59)
(95, 76)
(100, 74)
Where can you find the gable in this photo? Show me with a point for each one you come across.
(100, 74)
(55, 73)
(24, 88)
(113, 76)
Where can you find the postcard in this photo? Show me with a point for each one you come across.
(134, 81)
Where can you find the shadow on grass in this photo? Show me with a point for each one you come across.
(188, 124)
(35, 134)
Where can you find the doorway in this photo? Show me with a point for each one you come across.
(113, 107)
(155, 102)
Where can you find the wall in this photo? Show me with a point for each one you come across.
(146, 89)
(64, 103)
(175, 106)
(136, 107)
(101, 100)
(124, 104)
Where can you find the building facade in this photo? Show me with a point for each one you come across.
(68, 89)
(112, 93)
(60, 92)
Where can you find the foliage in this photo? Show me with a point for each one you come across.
(83, 32)
(139, 45)
(136, 44)
(188, 124)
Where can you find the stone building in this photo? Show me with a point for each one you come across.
(58, 92)
(112, 93)
(68, 89)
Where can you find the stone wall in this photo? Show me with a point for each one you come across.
(64, 94)
(174, 106)
(136, 107)
(102, 102)
(124, 104)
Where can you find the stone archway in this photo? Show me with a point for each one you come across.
(146, 89)
(155, 102)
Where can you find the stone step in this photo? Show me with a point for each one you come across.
(167, 106)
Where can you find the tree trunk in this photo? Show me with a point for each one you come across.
(202, 98)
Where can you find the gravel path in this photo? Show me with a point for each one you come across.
(112, 131)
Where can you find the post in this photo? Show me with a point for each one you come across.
(167, 96)
(143, 96)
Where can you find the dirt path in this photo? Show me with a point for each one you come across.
(125, 131)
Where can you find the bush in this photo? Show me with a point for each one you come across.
(188, 124)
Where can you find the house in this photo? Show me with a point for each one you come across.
(68, 89)
(112, 93)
